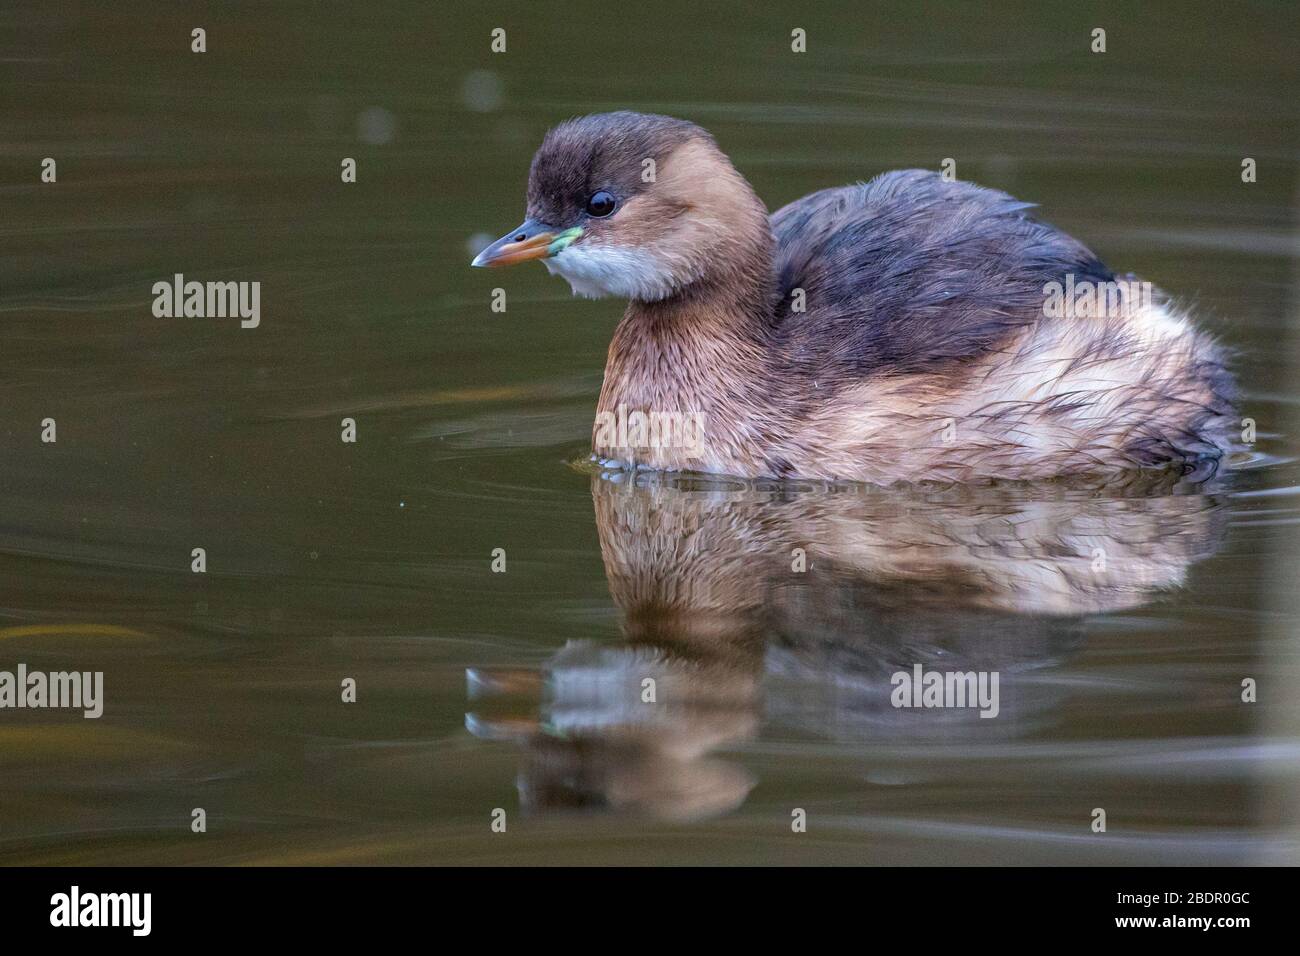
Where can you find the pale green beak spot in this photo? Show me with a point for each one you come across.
(563, 240)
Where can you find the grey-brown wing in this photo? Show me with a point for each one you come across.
(911, 273)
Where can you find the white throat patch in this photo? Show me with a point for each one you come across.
(595, 270)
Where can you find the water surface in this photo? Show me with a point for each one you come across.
(1120, 682)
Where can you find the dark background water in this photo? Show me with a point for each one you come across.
(519, 691)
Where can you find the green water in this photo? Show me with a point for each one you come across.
(521, 691)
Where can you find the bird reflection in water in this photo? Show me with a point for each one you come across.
(788, 607)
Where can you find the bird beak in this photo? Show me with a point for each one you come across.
(532, 240)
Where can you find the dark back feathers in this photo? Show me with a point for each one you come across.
(909, 273)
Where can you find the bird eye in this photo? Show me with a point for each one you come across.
(600, 205)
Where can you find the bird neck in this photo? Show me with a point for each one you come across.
(701, 349)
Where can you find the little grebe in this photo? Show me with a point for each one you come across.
(909, 328)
